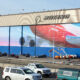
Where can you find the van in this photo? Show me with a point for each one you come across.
(68, 74)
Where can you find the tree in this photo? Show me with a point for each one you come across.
(32, 43)
(22, 41)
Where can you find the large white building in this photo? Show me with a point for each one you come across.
(40, 32)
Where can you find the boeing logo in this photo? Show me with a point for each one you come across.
(54, 17)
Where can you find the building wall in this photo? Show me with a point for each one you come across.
(60, 39)
(49, 17)
(43, 32)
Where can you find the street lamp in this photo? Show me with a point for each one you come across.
(9, 39)
(37, 20)
(22, 40)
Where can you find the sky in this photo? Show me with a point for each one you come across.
(25, 6)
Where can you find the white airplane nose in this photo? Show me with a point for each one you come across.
(73, 40)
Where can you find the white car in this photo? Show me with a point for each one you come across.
(20, 73)
(39, 68)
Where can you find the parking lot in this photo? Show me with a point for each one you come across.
(4, 61)
(44, 78)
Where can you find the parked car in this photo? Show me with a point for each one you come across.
(27, 55)
(4, 54)
(18, 73)
(0, 54)
(68, 74)
(42, 56)
(12, 55)
(39, 68)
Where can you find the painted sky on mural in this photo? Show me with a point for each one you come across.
(29, 35)
(15, 35)
(23, 6)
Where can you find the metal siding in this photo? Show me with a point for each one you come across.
(29, 19)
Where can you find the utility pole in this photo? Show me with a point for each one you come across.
(9, 38)
(37, 20)
(21, 40)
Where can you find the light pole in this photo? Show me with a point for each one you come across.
(9, 39)
(37, 20)
(53, 53)
(53, 48)
(22, 40)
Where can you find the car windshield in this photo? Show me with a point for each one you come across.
(39, 66)
(28, 71)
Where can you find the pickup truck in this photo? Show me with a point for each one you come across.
(39, 68)
(68, 74)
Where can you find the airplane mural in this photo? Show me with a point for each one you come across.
(44, 37)
(66, 35)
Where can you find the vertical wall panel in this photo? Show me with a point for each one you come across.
(29, 45)
(4, 39)
(15, 35)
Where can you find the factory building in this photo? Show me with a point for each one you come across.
(41, 33)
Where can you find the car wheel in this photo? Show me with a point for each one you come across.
(27, 79)
(47, 76)
(39, 72)
(7, 78)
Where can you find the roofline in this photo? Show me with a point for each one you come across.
(41, 11)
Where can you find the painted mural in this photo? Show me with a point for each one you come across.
(43, 37)
(66, 35)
